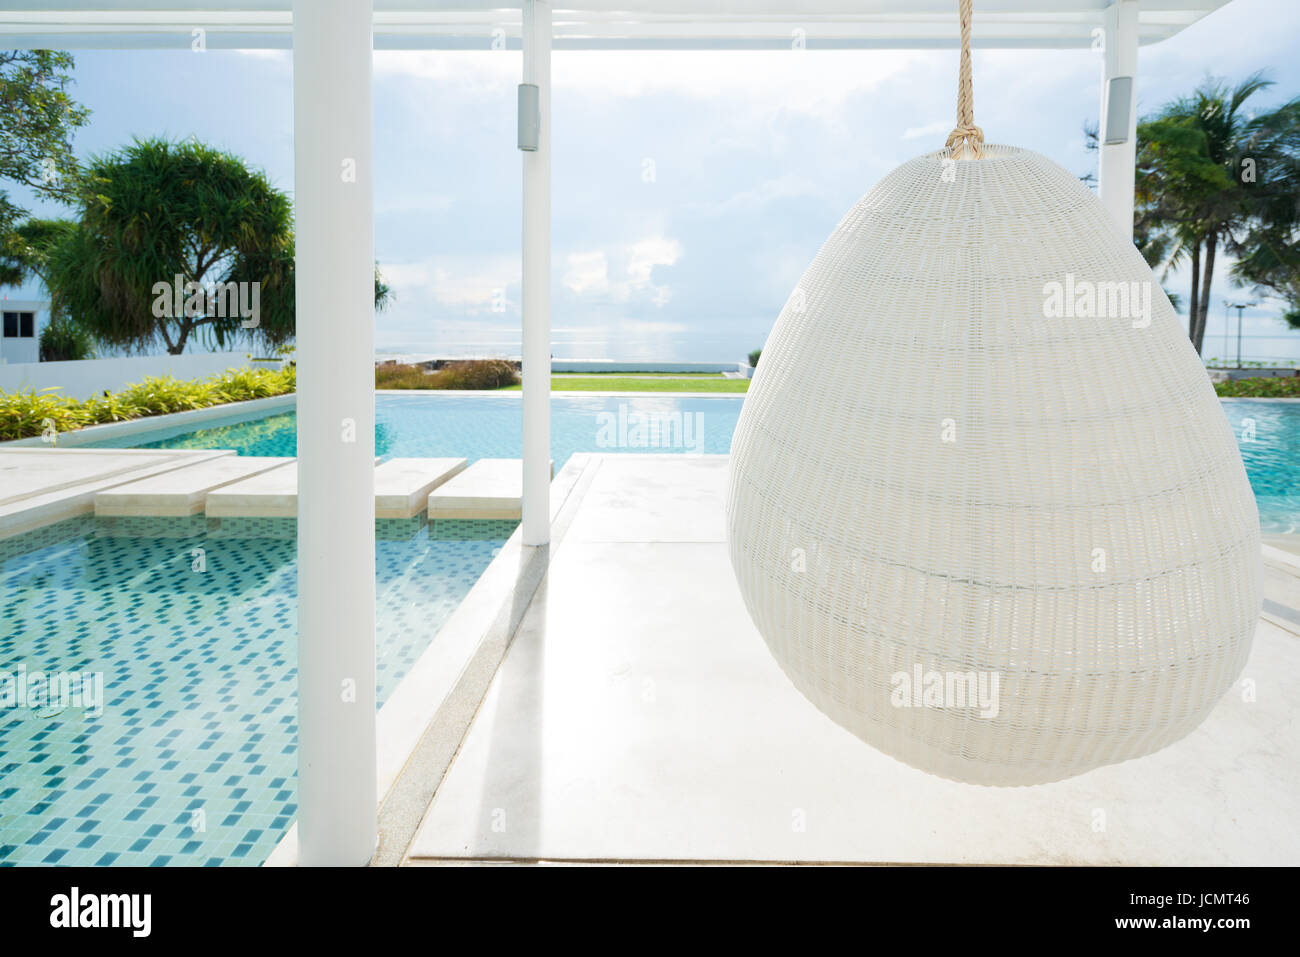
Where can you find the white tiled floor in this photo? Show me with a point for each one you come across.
(639, 716)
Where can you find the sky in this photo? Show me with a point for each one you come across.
(690, 190)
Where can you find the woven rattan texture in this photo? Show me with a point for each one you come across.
(930, 471)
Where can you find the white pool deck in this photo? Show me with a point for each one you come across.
(637, 716)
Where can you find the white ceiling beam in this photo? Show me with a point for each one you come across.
(627, 24)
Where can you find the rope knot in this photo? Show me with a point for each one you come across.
(969, 136)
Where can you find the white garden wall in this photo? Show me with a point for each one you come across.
(86, 377)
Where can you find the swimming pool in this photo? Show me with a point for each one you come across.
(1268, 434)
(191, 758)
(488, 426)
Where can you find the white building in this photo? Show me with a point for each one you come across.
(21, 336)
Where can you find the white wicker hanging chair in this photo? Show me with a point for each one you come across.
(932, 477)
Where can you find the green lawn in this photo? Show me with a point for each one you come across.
(644, 382)
(641, 375)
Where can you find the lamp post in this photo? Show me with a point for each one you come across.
(1240, 307)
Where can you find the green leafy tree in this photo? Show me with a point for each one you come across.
(37, 120)
(1270, 258)
(25, 252)
(1198, 191)
(25, 255)
(165, 227)
(384, 294)
(1273, 269)
(159, 213)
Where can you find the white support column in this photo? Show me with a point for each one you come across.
(334, 232)
(537, 284)
(1115, 174)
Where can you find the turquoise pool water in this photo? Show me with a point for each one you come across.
(1268, 434)
(191, 758)
(489, 427)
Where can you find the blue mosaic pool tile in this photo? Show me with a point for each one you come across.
(193, 759)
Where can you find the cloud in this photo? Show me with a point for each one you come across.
(787, 186)
(473, 293)
(648, 253)
(466, 284)
(453, 72)
(758, 80)
(588, 272)
(939, 128)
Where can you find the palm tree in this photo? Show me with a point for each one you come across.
(1270, 261)
(1199, 190)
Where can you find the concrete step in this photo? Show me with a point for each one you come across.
(183, 491)
(269, 494)
(402, 488)
(43, 486)
(490, 488)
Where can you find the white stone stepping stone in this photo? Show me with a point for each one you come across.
(402, 486)
(490, 488)
(269, 494)
(41, 486)
(28, 472)
(182, 491)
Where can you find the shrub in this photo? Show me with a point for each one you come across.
(466, 374)
(395, 375)
(476, 374)
(753, 357)
(62, 340)
(1262, 387)
(26, 413)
